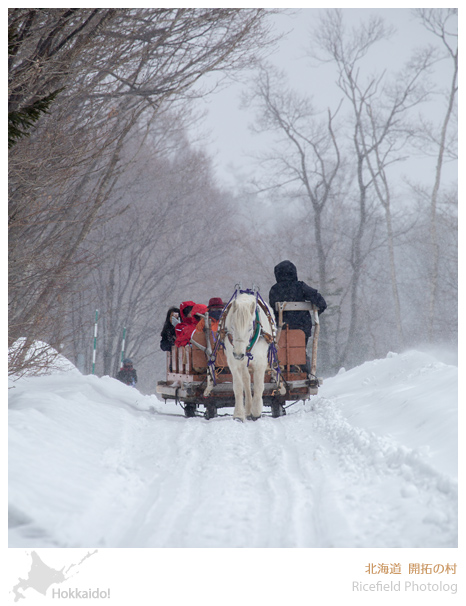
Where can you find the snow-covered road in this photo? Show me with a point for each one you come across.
(369, 462)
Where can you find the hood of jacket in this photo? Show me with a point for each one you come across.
(199, 308)
(286, 272)
(183, 306)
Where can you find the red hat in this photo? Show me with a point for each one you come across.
(216, 303)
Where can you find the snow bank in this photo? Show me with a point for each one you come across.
(46, 359)
(411, 397)
(65, 429)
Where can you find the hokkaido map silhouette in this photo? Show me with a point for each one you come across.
(41, 576)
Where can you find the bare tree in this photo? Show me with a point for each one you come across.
(443, 24)
(43, 46)
(385, 135)
(381, 111)
(305, 160)
(304, 170)
(330, 38)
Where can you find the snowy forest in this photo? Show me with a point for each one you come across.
(114, 204)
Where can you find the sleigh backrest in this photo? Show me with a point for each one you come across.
(199, 357)
(291, 348)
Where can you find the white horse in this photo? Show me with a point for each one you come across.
(246, 349)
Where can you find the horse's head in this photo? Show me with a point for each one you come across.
(240, 325)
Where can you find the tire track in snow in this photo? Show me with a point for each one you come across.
(290, 487)
(225, 485)
(161, 515)
(309, 515)
(116, 495)
(226, 501)
(237, 485)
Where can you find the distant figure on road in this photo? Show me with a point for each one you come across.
(127, 374)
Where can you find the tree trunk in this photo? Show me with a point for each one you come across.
(435, 251)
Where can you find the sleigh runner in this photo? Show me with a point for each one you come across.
(199, 375)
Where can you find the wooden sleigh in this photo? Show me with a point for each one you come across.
(193, 382)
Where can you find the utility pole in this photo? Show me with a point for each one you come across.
(95, 340)
(123, 346)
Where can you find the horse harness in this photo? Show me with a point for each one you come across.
(258, 328)
(259, 331)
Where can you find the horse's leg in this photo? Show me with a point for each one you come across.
(257, 402)
(247, 390)
(238, 389)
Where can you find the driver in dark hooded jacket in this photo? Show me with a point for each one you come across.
(289, 288)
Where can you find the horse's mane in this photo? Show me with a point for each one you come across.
(242, 315)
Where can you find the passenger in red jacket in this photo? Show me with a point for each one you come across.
(189, 318)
